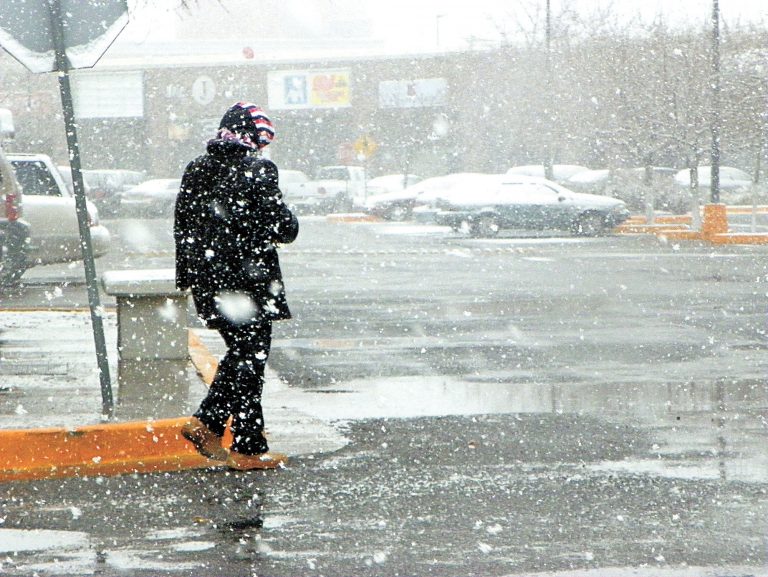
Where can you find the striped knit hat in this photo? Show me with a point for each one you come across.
(247, 124)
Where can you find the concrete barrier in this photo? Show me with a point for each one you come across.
(151, 313)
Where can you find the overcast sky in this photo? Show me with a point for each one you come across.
(429, 24)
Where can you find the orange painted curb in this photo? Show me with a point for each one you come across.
(665, 219)
(680, 235)
(649, 228)
(205, 363)
(352, 217)
(739, 238)
(108, 449)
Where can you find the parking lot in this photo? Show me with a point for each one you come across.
(529, 403)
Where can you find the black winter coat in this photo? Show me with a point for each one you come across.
(229, 217)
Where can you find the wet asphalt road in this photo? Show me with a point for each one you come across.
(516, 405)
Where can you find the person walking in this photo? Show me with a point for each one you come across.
(229, 219)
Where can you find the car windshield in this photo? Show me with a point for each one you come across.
(35, 178)
(333, 174)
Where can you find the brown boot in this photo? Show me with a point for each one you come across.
(205, 441)
(241, 462)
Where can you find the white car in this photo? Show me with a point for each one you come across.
(418, 199)
(292, 184)
(736, 186)
(155, 197)
(334, 190)
(560, 172)
(49, 208)
(385, 184)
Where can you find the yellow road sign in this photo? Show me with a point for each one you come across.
(365, 146)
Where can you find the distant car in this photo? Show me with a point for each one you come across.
(631, 186)
(49, 208)
(155, 197)
(66, 174)
(334, 189)
(292, 184)
(382, 185)
(418, 199)
(560, 172)
(736, 186)
(530, 203)
(105, 186)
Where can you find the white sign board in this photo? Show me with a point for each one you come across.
(413, 93)
(108, 95)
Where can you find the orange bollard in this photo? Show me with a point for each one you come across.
(714, 220)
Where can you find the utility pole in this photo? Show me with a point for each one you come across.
(62, 66)
(716, 119)
(549, 99)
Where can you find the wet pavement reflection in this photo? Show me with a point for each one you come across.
(707, 431)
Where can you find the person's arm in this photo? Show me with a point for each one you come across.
(281, 225)
(182, 232)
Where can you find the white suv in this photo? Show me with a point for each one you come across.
(49, 208)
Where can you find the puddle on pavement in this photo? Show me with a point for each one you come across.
(436, 396)
(700, 431)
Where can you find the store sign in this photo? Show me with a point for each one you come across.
(297, 89)
(413, 93)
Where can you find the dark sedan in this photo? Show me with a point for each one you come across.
(530, 204)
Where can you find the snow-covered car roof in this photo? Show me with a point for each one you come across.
(559, 171)
(730, 177)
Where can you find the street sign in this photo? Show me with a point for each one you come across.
(88, 26)
(365, 146)
(203, 90)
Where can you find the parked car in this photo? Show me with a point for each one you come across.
(736, 186)
(155, 197)
(418, 199)
(560, 172)
(292, 184)
(531, 203)
(334, 189)
(104, 187)
(632, 186)
(66, 174)
(14, 231)
(382, 185)
(49, 209)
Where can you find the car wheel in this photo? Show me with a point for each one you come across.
(399, 212)
(342, 204)
(485, 226)
(590, 224)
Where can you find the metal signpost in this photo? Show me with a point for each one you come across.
(57, 36)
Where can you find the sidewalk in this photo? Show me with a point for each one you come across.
(50, 402)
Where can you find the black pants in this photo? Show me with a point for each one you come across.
(237, 386)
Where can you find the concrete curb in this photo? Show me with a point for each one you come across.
(108, 448)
